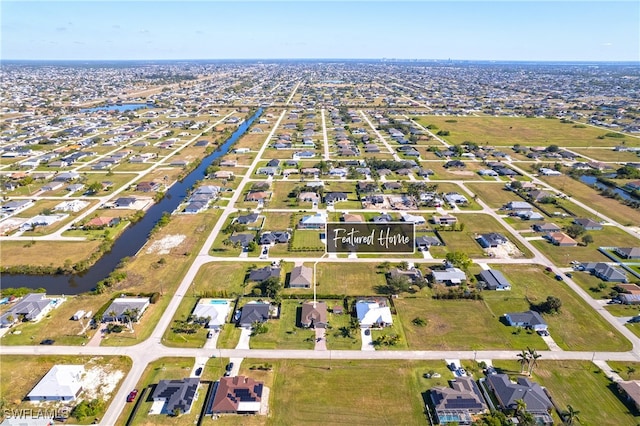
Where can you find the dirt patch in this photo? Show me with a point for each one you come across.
(504, 251)
(461, 172)
(100, 381)
(165, 245)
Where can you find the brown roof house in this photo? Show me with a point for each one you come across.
(631, 390)
(301, 277)
(561, 239)
(314, 315)
(237, 395)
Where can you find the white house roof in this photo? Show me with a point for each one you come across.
(370, 313)
(318, 218)
(61, 381)
(216, 309)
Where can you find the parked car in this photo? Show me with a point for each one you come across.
(548, 269)
(559, 277)
(569, 275)
(47, 342)
(452, 366)
(634, 319)
(543, 332)
(132, 395)
(230, 366)
(198, 371)
(367, 332)
(209, 334)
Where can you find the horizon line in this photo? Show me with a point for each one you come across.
(381, 59)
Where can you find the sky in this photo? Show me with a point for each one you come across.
(460, 30)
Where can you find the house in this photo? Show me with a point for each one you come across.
(263, 274)
(449, 276)
(223, 174)
(382, 218)
(351, 218)
(16, 206)
(178, 395)
(423, 242)
(605, 272)
(517, 206)
(252, 312)
(372, 314)
(274, 237)
(237, 395)
(301, 277)
(546, 227)
(52, 186)
(256, 196)
(549, 172)
(32, 307)
(462, 400)
(444, 220)
(494, 280)
(333, 197)
(529, 215)
(631, 390)
(492, 239)
(61, 383)
(71, 206)
(529, 319)
(194, 207)
(269, 171)
(561, 239)
(508, 393)
(316, 221)
(628, 252)
(126, 308)
(214, 310)
(147, 186)
(125, 202)
(242, 239)
(313, 315)
(455, 198)
(309, 196)
(588, 224)
(407, 217)
(101, 222)
(538, 195)
(247, 218)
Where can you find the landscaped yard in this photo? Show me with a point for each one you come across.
(577, 327)
(283, 332)
(583, 386)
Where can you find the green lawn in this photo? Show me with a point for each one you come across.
(508, 131)
(581, 385)
(307, 239)
(348, 392)
(357, 279)
(494, 194)
(283, 333)
(459, 325)
(336, 337)
(576, 328)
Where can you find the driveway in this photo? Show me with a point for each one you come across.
(553, 346)
(199, 364)
(367, 341)
(211, 343)
(321, 342)
(245, 335)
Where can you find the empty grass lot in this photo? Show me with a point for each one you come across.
(21, 373)
(576, 328)
(459, 325)
(494, 194)
(611, 208)
(583, 386)
(17, 253)
(508, 131)
(390, 390)
(354, 279)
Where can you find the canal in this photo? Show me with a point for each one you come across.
(133, 237)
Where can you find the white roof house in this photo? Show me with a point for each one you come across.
(407, 217)
(71, 206)
(61, 383)
(372, 314)
(123, 308)
(214, 309)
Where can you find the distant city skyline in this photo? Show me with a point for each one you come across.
(457, 30)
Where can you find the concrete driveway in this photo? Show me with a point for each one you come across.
(321, 342)
(211, 342)
(367, 340)
(245, 335)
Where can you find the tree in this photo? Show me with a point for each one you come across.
(630, 371)
(113, 314)
(553, 148)
(494, 418)
(521, 407)
(95, 187)
(587, 239)
(271, 287)
(575, 230)
(552, 305)
(398, 284)
(533, 359)
(523, 359)
(458, 259)
(570, 416)
(515, 185)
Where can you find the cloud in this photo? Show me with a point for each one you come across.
(606, 44)
(61, 29)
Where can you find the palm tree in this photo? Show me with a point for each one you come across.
(523, 359)
(521, 407)
(533, 359)
(570, 416)
(114, 315)
(630, 371)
